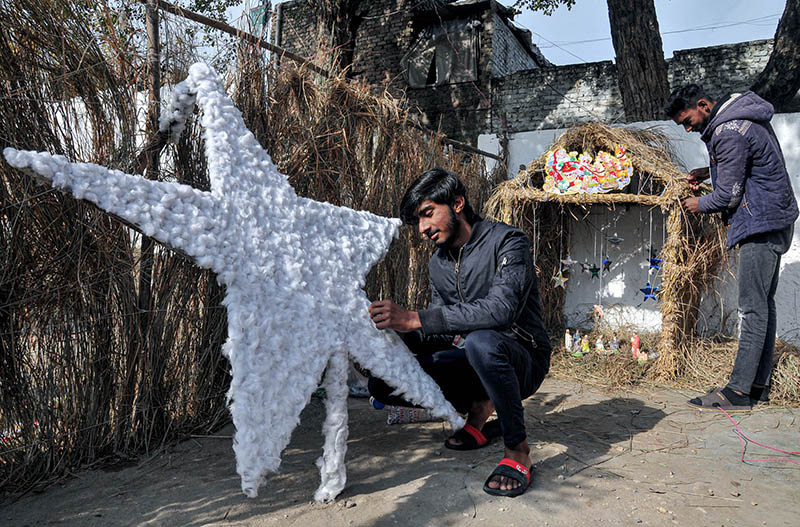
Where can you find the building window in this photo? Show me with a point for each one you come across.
(443, 53)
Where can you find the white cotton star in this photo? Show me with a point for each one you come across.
(294, 270)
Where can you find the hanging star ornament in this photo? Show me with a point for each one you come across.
(649, 291)
(585, 267)
(560, 280)
(568, 261)
(293, 268)
(606, 265)
(595, 271)
(655, 263)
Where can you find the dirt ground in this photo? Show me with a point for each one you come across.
(632, 458)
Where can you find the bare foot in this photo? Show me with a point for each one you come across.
(477, 416)
(521, 453)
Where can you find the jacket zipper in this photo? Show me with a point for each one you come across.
(458, 273)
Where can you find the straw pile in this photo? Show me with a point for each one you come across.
(707, 365)
(87, 376)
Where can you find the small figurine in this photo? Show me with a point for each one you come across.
(614, 344)
(567, 340)
(599, 345)
(576, 343)
(577, 347)
(585, 344)
(635, 343)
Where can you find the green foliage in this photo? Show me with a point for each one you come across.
(545, 6)
(211, 8)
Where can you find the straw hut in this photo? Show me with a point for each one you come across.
(693, 246)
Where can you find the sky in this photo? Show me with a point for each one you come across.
(582, 34)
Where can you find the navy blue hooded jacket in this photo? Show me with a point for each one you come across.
(751, 186)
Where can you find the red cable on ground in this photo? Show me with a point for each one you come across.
(742, 436)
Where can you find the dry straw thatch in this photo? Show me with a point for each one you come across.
(87, 375)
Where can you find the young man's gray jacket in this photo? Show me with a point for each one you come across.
(488, 283)
(751, 186)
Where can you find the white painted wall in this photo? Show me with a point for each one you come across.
(619, 289)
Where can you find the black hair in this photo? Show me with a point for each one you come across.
(438, 185)
(684, 97)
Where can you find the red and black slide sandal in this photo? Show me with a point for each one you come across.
(471, 438)
(510, 469)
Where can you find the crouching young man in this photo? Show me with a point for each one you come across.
(482, 338)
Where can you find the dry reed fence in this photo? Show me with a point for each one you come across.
(693, 254)
(87, 377)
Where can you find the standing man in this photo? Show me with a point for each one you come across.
(482, 338)
(753, 192)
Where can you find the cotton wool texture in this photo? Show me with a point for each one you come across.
(294, 271)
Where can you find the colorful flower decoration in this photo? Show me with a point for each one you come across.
(570, 173)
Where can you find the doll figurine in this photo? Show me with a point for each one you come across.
(635, 343)
(614, 344)
(599, 345)
(576, 344)
(567, 340)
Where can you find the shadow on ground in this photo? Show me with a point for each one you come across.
(407, 463)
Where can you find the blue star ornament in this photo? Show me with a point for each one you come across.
(655, 263)
(606, 264)
(288, 262)
(649, 291)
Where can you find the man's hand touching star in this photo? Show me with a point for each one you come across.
(388, 315)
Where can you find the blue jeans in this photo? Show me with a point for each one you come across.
(491, 366)
(759, 268)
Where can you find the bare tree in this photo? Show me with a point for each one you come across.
(780, 79)
(641, 68)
